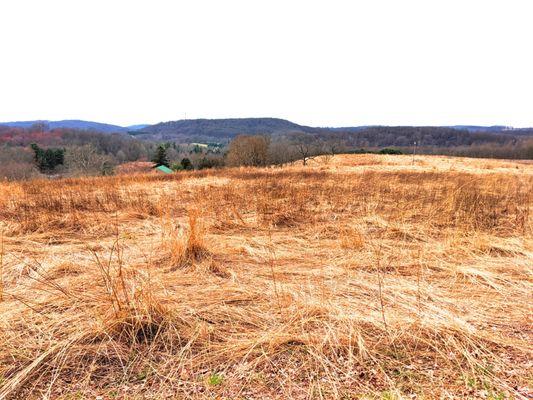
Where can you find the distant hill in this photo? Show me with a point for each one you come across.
(477, 128)
(223, 130)
(219, 129)
(75, 124)
(426, 136)
(500, 129)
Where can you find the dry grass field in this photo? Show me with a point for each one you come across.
(356, 277)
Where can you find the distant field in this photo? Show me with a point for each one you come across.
(358, 276)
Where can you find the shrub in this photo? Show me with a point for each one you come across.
(16, 170)
(176, 167)
(209, 162)
(186, 164)
(388, 150)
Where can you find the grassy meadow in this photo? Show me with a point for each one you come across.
(355, 277)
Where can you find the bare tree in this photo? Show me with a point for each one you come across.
(16, 170)
(280, 152)
(305, 146)
(333, 146)
(86, 160)
(248, 150)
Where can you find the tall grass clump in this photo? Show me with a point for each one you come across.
(185, 245)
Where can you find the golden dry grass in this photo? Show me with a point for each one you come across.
(355, 277)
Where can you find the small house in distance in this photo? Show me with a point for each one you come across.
(164, 169)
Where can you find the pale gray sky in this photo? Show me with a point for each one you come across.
(323, 63)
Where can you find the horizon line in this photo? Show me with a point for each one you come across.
(454, 125)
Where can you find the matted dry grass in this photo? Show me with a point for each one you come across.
(355, 277)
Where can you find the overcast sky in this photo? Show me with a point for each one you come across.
(320, 63)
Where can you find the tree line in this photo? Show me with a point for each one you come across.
(26, 153)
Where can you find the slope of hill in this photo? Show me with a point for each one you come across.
(223, 130)
(220, 129)
(74, 124)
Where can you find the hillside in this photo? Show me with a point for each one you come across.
(423, 135)
(356, 277)
(219, 129)
(73, 124)
(223, 130)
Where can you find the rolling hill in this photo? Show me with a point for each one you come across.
(219, 129)
(75, 124)
(223, 130)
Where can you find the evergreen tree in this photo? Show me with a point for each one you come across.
(37, 154)
(160, 157)
(47, 160)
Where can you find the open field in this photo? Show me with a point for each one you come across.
(358, 276)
